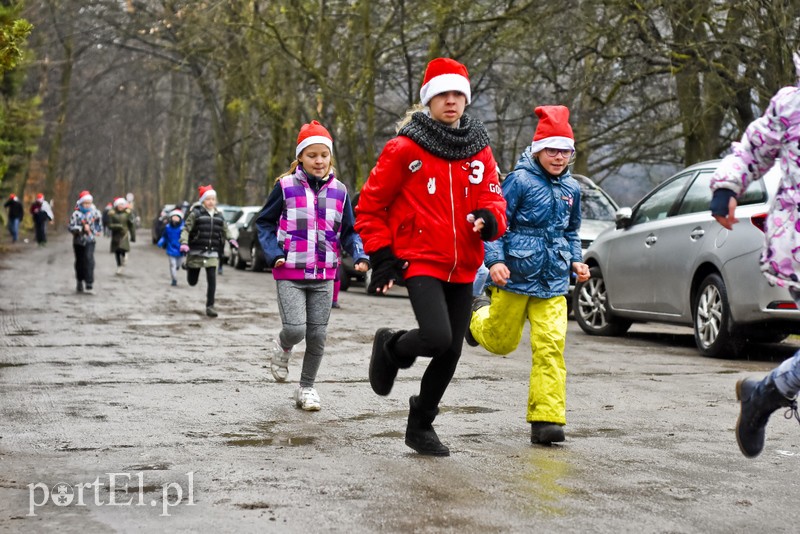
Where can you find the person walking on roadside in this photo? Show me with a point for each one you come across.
(170, 240)
(85, 225)
(773, 137)
(305, 222)
(15, 213)
(203, 233)
(123, 231)
(42, 214)
(428, 204)
(530, 269)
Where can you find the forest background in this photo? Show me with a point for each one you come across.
(155, 97)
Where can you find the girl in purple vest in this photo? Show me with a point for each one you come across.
(306, 219)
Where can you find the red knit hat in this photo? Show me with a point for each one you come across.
(444, 74)
(311, 134)
(12, 196)
(205, 191)
(553, 130)
(84, 196)
(39, 196)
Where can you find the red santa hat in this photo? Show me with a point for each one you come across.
(444, 74)
(553, 130)
(119, 201)
(39, 197)
(311, 134)
(12, 196)
(84, 196)
(205, 191)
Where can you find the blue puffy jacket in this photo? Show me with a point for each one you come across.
(544, 215)
(171, 239)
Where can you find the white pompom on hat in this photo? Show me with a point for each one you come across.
(205, 191)
(85, 196)
(442, 75)
(553, 130)
(311, 134)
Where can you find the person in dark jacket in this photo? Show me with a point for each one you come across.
(42, 214)
(15, 213)
(428, 203)
(203, 233)
(123, 232)
(85, 225)
(530, 269)
(170, 240)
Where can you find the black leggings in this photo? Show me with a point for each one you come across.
(442, 310)
(120, 255)
(193, 276)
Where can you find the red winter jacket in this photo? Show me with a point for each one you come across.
(418, 203)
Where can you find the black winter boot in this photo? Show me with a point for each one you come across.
(545, 433)
(477, 303)
(420, 434)
(758, 400)
(382, 364)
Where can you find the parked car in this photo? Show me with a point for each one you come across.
(235, 224)
(667, 260)
(159, 221)
(250, 252)
(230, 214)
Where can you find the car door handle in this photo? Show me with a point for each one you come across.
(696, 234)
(650, 240)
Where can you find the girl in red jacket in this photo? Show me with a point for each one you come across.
(429, 203)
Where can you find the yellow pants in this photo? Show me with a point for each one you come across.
(498, 328)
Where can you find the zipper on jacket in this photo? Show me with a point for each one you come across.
(453, 220)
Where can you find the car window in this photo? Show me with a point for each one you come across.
(595, 205)
(250, 217)
(659, 203)
(698, 196)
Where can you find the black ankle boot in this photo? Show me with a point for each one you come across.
(546, 433)
(382, 364)
(420, 434)
(758, 401)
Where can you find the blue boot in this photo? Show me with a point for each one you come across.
(758, 400)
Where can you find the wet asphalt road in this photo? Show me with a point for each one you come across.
(134, 386)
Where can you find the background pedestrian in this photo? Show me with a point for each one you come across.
(123, 231)
(42, 214)
(85, 225)
(170, 240)
(15, 213)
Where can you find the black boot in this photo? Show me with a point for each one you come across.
(420, 434)
(477, 303)
(758, 401)
(383, 365)
(546, 433)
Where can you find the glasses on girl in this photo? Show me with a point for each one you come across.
(553, 152)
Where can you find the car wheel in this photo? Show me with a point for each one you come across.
(591, 309)
(344, 280)
(256, 259)
(236, 260)
(712, 319)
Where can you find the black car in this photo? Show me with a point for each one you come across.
(249, 252)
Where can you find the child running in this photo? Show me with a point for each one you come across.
(171, 241)
(431, 199)
(305, 221)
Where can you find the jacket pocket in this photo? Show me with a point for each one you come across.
(525, 264)
(405, 233)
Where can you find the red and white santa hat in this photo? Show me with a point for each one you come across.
(177, 212)
(205, 191)
(39, 197)
(553, 130)
(311, 134)
(442, 75)
(85, 196)
(12, 196)
(119, 201)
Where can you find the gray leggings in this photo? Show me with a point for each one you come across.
(305, 307)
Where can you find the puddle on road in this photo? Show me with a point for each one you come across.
(11, 364)
(280, 441)
(148, 467)
(597, 432)
(470, 410)
(389, 434)
(24, 332)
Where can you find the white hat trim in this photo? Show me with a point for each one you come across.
(561, 143)
(443, 83)
(173, 213)
(313, 140)
(120, 201)
(85, 198)
(208, 194)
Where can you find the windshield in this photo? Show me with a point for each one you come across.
(594, 205)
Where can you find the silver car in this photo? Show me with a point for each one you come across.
(668, 261)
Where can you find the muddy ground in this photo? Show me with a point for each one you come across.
(134, 386)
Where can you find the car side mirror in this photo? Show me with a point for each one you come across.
(622, 218)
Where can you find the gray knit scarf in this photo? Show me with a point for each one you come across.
(445, 142)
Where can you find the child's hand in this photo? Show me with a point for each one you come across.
(581, 270)
(184, 249)
(362, 266)
(279, 262)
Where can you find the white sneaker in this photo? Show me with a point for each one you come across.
(279, 362)
(307, 399)
(120, 269)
